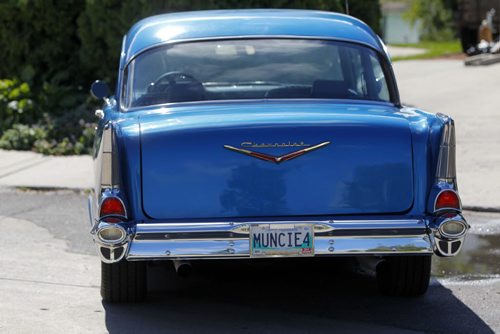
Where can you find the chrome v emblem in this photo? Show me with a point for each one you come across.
(280, 159)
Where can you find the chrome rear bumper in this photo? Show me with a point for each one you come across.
(231, 240)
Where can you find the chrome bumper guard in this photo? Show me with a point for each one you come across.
(231, 240)
(446, 244)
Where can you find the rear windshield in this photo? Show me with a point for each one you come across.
(254, 69)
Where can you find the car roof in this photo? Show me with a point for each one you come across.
(213, 24)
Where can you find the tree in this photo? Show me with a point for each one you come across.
(436, 17)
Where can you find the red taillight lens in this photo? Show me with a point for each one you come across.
(112, 206)
(447, 199)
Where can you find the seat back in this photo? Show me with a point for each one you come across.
(330, 89)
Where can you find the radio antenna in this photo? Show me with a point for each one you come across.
(347, 7)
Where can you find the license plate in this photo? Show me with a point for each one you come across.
(281, 240)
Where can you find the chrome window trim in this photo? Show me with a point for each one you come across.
(328, 225)
(173, 104)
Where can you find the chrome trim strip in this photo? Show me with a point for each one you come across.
(194, 103)
(323, 226)
(446, 170)
(90, 208)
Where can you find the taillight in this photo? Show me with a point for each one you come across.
(112, 210)
(447, 199)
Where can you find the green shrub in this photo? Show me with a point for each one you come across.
(40, 139)
(67, 129)
(16, 105)
(22, 137)
(436, 18)
(57, 48)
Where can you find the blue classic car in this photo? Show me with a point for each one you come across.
(257, 134)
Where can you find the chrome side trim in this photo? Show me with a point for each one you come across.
(446, 165)
(90, 207)
(109, 177)
(107, 156)
(240, 227)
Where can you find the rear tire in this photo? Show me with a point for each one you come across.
(404, 276)
(123, 282)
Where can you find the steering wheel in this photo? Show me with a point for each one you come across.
(170, 78)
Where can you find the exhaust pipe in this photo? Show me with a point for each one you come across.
(183, 268)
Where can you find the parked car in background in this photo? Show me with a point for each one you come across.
(267, 134)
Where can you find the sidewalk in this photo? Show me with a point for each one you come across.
(28, 169)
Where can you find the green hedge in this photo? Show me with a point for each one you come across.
(54, 49)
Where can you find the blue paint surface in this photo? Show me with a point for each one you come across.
(173, 165)
(187, 172)
(167, 28)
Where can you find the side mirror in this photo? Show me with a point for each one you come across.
(99, 89)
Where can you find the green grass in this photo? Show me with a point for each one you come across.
(434, 49)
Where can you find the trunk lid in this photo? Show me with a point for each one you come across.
(192, 166)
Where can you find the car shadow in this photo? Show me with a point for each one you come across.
(323, 295)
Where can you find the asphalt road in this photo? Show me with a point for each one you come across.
(49, 282)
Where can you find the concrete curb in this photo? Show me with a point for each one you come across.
(481, 209)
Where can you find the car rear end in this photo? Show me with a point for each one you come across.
(271, 147)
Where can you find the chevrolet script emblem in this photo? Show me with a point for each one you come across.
(270, 158)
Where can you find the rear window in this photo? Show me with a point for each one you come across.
(254, 69)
